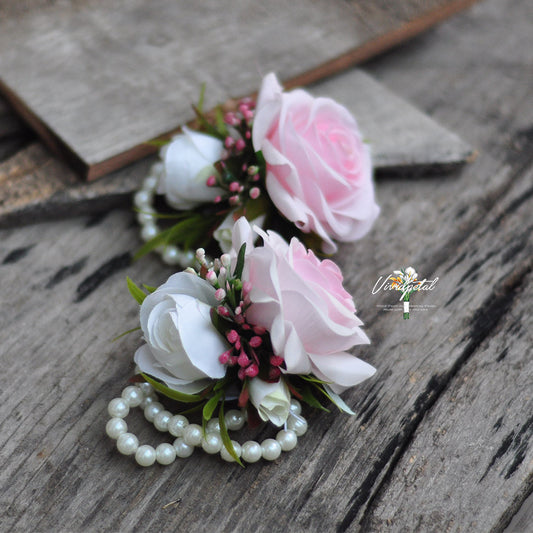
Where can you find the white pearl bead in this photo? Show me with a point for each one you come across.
(213, 426)
(182, 448)
(127, 443)
(271, 449)
(132, 395)
(146, 388)
(118, 408)
(225, 454)
(148, 400)
(296, 406)
(145, 455)
(115, 427)
(212, 443)
(187, 258)
(149, 231)
(151, 410)
(165, 453)
(150, 183)
(234, 419)
(171, 255)
(142, 199)
(297, 424)
(161, 420)
(157, 169)
(176, 425)
(192, 435)
(287, 439)
(251, 451)
(145, 217)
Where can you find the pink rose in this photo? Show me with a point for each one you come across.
(319, 172)
(300, 300)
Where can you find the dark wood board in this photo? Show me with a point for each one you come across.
(442, 439)
(35, 185)
(98, 78)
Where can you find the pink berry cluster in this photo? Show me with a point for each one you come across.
(250, 353)
(238, 169)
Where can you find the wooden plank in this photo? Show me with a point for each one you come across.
(63, 284)
(37, 186)
(97, 79)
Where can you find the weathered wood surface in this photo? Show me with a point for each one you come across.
(442, 439)
(97, 79)
(35, 185)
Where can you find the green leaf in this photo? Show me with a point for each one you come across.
(170, 393)
(225, 436)
(135, 291)
(149, 288)
(125, 333)
(158, 143)
(210, 405)
(200, 105)
(313, 379)
(221, 125)
(237, 273)
(337, 400)
(261, 163)
(309, 398)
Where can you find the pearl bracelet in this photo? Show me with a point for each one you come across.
(189, 435)
(143, 200)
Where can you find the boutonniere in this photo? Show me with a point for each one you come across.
(260, 329)
(288, 161)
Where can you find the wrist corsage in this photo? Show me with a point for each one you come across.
(288, 161)
(261, 327)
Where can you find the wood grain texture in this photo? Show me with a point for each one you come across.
(445, 377)
(97, 79)
(35, 185)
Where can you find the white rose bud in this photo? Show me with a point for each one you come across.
(272, 400)
(224, 233)
(188, 161)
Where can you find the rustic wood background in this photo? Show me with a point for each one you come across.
(443, 436)
(36, 185)
(99, 78)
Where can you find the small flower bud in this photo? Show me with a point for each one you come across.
(211, 181)
(256, 341)
(190, 270)
(244, 396)
(225, 259)
(217, 199)
(240, 144)
(225, 357)
(234, 200)
(254, 193)
(233, 360)
(257, 177)
(232, 336)
(241, 374)
(253, 169)
(274, 373)
(234, 186)
(259, 330)
(238, 310)
(211, 277)
(222, 311)
(252, 371)
(248, 134)
(229, 142)
(243, 360)
(220, 294)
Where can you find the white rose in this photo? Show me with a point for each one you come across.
(182, 345)
(188, 161)
(224, 233)
(272, 400)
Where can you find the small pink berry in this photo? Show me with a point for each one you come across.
(257, 177)
(217, 199)
(248, 114)
(259, 330)
(241, 374)
(252, 370)
(232, 336)
(222, 311)
(254, 193)
(246, 327)
(240, 144)
(234, 200)
(276, 360)
(244, 167)
(211, 181)
(229, 142)
(256, 341)
(225, 357)
(231, 119)
(248, 134)
(238, 345)
(244, 360)
(233, 360)
(234, 186)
